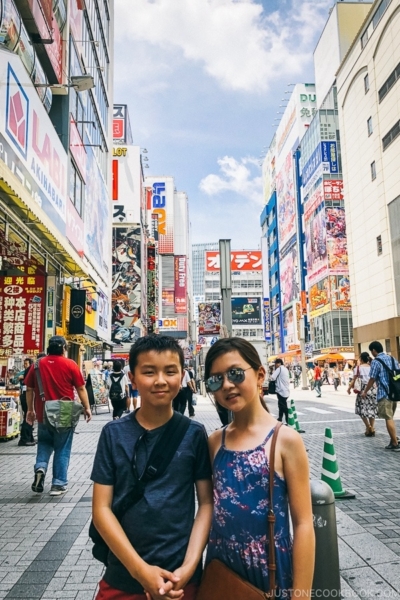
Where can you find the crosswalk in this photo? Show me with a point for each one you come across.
(322, 411)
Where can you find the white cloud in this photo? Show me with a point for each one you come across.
(234, 41)
(236, 176)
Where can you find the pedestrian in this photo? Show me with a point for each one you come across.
(26, 437)
(379, 375)
(325, 376)
(310, 377)
(317, 379)
(60, 376)
(133, 393)
(187, 393)
(365, 407)
(240, 453)
(282, 386)
(336, 377)
(157, 544)
(118, 391)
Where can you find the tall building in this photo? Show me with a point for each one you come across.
(281, 225)
(199, 265)
(168, 305)
(368, 100)
(55, 134)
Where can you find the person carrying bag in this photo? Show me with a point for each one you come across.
(50, 388)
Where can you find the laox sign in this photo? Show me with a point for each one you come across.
(158, 205)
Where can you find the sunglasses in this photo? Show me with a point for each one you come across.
(234, 375)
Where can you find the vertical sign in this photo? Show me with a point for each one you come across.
(180, 288)
(119, 123)
(21, 315)
(267, 320)
(77, 312)
(50, 307)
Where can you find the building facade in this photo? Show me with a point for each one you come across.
(55, 134)
(199, 265)
(368, 99)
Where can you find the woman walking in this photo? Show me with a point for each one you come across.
(241, 453)
(366, 408)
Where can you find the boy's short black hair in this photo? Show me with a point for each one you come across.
(279, 361)
(377, 346)
(117, 366)
(155, 343)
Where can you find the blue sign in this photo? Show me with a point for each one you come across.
(311, 165)
(329, 156)
(267, 320)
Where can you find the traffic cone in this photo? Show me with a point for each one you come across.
(330, 469)
(291, 421)
(296, 420)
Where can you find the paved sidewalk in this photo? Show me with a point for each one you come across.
(45, 551)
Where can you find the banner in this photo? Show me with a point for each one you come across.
(288, 327)
(319, 298)
(337, 241)
(267, 320)
(168, 297)
(286, 201)
(77, 312)
(241, 260)
(160, 203)
(246, 311)
(316, 248)
(22, 302)
(289, 276)
(180, 289)
(340, 292)
(209, 318)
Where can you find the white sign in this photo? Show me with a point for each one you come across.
(127, 184)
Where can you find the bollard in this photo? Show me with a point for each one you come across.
(326, 582)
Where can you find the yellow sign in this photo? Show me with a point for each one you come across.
(120, 151)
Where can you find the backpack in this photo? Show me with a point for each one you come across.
(116, 394)
(394, 380)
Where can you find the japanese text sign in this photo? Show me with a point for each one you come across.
(241, 260)
(21, 315)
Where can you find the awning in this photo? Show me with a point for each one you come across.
(272, 358)
(334, 357)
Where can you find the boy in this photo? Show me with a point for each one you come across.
(156, 550)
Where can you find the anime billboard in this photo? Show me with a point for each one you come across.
(289, 276)
(317, 254)
(286, 202)
(337, 241)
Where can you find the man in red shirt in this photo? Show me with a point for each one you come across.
(60, 375)
(317, 379)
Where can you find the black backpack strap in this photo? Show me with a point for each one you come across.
(119, 378)
(39, 381)
(381, 362)
(165, 448)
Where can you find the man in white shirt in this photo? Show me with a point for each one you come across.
(282, 383)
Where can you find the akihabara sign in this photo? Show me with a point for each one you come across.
(29, 144)
(21, 315)
(160, 201)
(241, 260)
(180, 288)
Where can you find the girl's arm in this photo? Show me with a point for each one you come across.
(154, 579)
(296, 472)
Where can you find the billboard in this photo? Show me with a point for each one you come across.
(180, 284)
(29, 144)
(97, 242)
(289, 276)
(289, 327)
(330, 164)
(241, 260)
(246, 311)
(340, 292)
(119, 123)
(319, 298)
(152, 287)
(316, 249)
(75, 230)
(168, 323)
(337, 241)
(269, 171)
(21, 315)
(285, 192)
(127, 184)
(126, 285)
(160, 203)
(333, 189)
(168, 297)
(267, 320)
(103, 316)
(312, 202)
(209, 318)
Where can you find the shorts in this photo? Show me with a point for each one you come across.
(106, 592)
(132, 392)
(386, 409)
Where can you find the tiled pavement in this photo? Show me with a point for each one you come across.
(44, 547)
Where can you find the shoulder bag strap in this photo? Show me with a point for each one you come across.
(39, 381)
(271, 516)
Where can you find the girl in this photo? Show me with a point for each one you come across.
(366, 408)
(240, 456)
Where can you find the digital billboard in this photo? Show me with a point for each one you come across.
(246, 311)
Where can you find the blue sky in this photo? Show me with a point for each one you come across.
(203, 80)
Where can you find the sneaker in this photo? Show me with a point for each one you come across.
(38, 482)
(58, 490)
(392, 447)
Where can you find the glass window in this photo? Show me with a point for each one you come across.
(366, 83)
(369, 126)
(379, 245)
(10, 25)
(373, 171)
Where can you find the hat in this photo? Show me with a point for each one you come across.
(58, 340)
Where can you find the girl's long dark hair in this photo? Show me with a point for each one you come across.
(243, 347)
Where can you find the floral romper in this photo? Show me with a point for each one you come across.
(239, 535)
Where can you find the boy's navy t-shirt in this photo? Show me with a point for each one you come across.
(160, 524)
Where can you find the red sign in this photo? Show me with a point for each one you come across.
(21, 314)
(115, 180)
(180, 288)
(75, 229)
(118, 129)
(241, 260)
(333, 189)
(77, 148)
